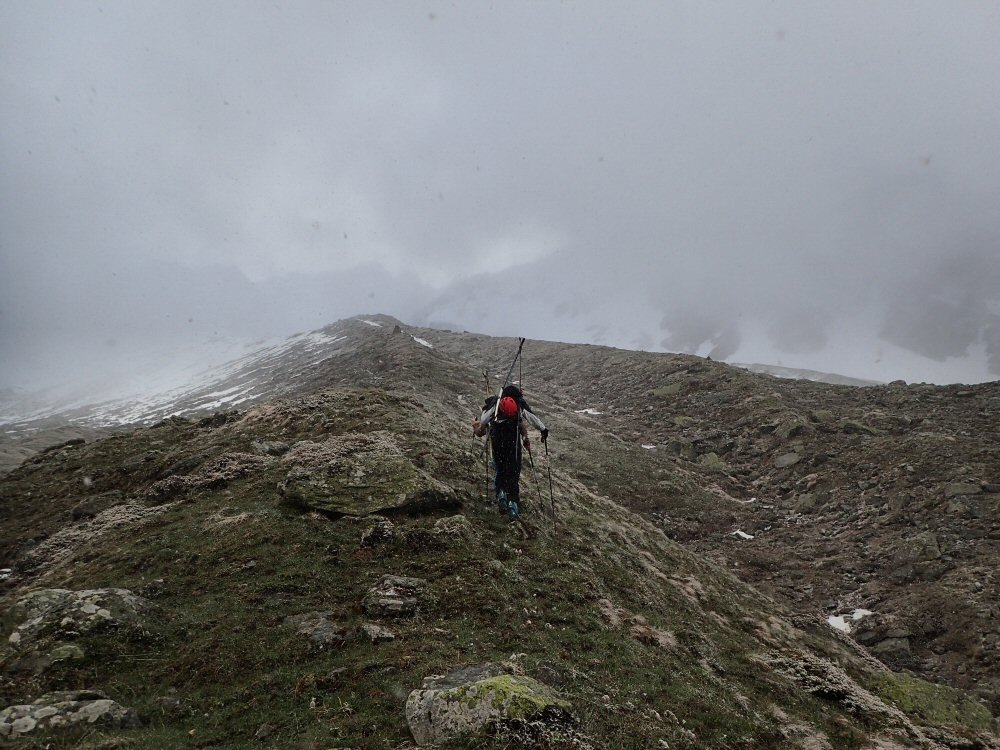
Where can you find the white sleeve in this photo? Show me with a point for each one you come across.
(533, 420)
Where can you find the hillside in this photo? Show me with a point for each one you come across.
(223, 579)
(884, 498)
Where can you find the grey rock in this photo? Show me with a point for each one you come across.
(467, 700)
(959, 489)
(457, 527)
(396, 596)
(359, 474)
(377, 633)
(47, 618)
(786, 460)
(383, 531)
(270, 447)
(857, 428)
(64, 711)
(318, 627)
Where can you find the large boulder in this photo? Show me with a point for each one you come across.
(359, 474)
(64, 711)
(467, 700)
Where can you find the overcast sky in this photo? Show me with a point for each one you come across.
(815, 183)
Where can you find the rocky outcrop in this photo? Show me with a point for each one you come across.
(48, 618)
(318, 628)
(64, 711)
(377, 633)
(358, 474)
(396, 596)
(468, 700)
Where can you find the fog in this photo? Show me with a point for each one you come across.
(813, 185)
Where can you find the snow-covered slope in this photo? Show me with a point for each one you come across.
(262, 372)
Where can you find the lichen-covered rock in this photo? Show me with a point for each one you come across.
(382, 531)
(318, 627)
(270, 447)
(468, 700)
(454, 527)
(396, 596)
(357, 475)
(63, 711)
(712, 462)
(857, 428)
(377, 633)
(47, 618)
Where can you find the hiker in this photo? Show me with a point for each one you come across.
(506, 420)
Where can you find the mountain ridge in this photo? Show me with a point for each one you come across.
(652, 642)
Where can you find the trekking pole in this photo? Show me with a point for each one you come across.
(552, 500)
(534, 476)
(486, 445)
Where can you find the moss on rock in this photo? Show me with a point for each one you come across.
(444, 710)
(359, 474)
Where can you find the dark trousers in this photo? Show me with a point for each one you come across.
(507, 471)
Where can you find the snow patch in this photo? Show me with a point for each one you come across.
(423, 342)
(372, 323)
(591, 412)
(741, 534)
(648, 447)
(840, 622)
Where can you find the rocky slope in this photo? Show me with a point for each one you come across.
(301, 573)
(882, 498)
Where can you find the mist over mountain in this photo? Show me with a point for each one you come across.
(777, 183)
(941, 328)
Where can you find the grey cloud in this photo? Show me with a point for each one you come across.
(756, 176)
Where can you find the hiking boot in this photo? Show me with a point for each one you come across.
(515, 513)
(502, 504)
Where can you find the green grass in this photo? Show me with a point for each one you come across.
(934, 704)
(226, 565)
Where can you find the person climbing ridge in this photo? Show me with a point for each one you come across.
(506, 418)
